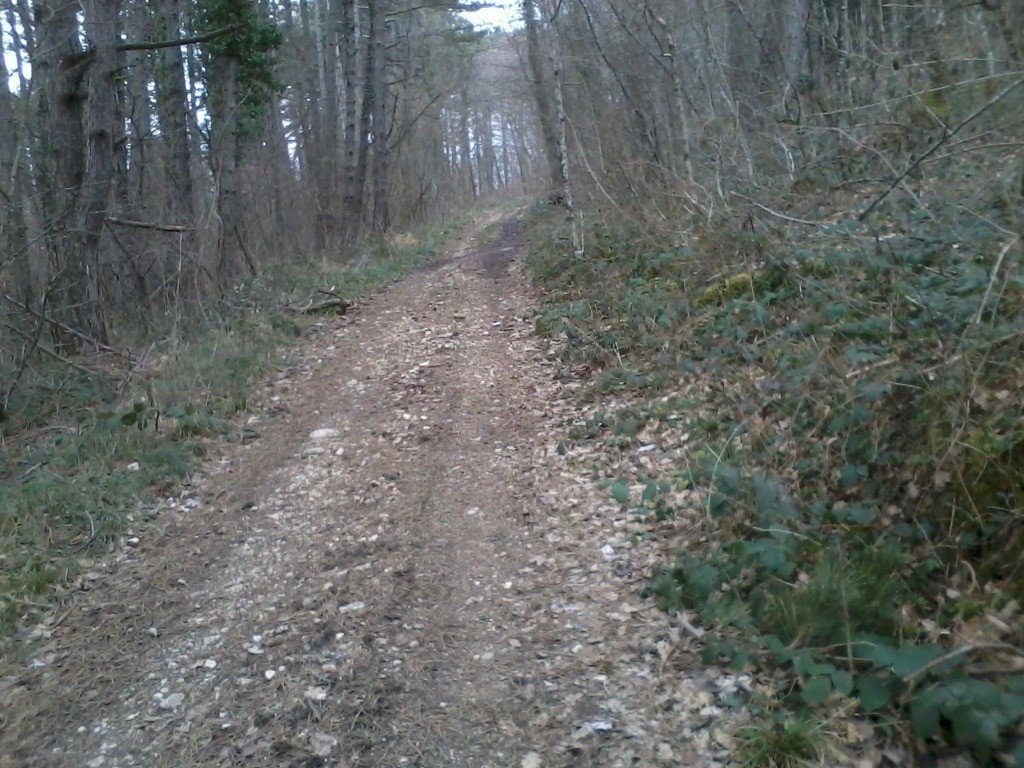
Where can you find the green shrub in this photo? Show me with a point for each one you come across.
(855, 421)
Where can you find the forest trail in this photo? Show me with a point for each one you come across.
(398, 571)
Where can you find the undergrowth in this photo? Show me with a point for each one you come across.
(846, 402)
(81, 442)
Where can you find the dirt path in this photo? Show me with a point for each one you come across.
(400, 571)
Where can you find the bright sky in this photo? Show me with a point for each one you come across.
(504, 14)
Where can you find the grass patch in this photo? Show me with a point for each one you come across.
(79, 446)
(780, 741)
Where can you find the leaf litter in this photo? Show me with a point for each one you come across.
(408, 568)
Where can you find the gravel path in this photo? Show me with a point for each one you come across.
(401, 570)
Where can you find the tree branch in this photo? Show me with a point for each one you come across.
(43, 317)
(158, 44)
(935, 147)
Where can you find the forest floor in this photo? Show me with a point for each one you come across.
(401, 570)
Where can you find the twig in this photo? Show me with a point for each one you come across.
(992, 280)
(50, 353)
(781, 531)
(147, 225)
(691, 629)
(67, 328)
(779, 215)
(868, 368)
(30, 470)
(956, 653)
(33, 344)
(178, 42)
(946, 136)
(92, 526)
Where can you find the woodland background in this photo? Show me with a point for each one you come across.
(811, 207)
(162, 152)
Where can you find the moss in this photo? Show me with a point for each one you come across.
(733, 287)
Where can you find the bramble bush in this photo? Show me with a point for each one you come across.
(858, 439)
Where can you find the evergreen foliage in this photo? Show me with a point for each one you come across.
(252, 41)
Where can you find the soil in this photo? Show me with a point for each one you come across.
(402, 570)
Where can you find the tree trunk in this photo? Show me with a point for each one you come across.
(563, 154)
(378, 96)
(134, 187)
(224, 145)
(485, 138)
(80, 103)
(466, 148)
(173, 111)
(327, 35)
(12, 227)
(355, 119)
(542, 95)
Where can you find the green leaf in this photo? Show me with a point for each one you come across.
(701, 581)
(719, 505)
(651, 491)
(740, 661)
(620, 492)
(773, 554)
(924, 719)
(709, 653)
(860, 515)
(974, 729)
(1016, 684)
(769, 503)
(806, 664)
(910, 658)
(873, 692)
(627, 427)
(816, 690)
(903, 661)
(842, 681)
(1018, 753)
(849, 476)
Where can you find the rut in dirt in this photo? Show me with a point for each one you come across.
(389, 576)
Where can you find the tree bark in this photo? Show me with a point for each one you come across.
(224, 145)
(377, 97)
(80, 106)
(542, 95)
(173, 111)
(12, 229)
(327, 35)
(355, 118)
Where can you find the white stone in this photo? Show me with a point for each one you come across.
(172, 701)
(326, 433)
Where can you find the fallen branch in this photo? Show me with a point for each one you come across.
(339, 305)
(336, 303)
